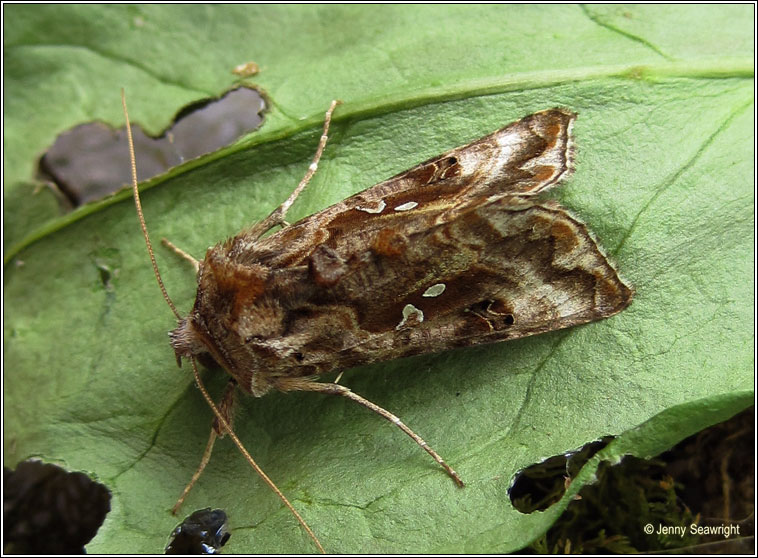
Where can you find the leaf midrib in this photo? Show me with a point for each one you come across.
(728, 68)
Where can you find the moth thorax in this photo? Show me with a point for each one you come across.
(185, 340)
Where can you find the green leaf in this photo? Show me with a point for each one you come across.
(664, 179)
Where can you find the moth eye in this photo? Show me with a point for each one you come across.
(299, 357)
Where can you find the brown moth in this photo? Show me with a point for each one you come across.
(456, 251)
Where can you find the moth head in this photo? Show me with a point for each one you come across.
(186, 341)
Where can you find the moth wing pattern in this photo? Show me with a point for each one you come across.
(525, 157)
(451, 253)
(496, 271)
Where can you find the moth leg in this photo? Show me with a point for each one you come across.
(277, 216)
(178, 251)
(337, 389)
(226, 406)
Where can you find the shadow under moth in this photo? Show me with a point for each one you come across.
(456, 251)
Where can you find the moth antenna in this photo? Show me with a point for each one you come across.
(138, 204)
(225, 427)
(281, 211)
(277, 216)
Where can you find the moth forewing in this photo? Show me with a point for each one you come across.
(525, 157)
(488, 270)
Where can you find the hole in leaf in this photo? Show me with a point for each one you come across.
(91, 161)
(47, 510)
(699, 495)
(541, 485)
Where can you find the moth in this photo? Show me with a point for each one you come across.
(457, 251)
